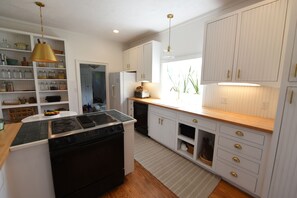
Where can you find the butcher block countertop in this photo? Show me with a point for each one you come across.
(6, 138)
(253, 122)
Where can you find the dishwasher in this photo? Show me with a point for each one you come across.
(140, 114)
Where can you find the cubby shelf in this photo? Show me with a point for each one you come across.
(186, 139)
(18, 92)
(15, 50)
(53, 103)
(18, 106)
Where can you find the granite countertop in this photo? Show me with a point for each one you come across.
(253, 122)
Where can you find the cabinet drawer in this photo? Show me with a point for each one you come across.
(1, 179)
(239, 161)
(240, 148)
(163, 111)
(196, 120)
(236, 176)
(243, 134)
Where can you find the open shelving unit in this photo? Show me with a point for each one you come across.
(25, 87)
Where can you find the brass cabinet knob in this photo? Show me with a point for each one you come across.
(239, 133)
(238, 146)
(234, 174)
(236, 159)
(195, 120)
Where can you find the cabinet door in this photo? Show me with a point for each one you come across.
(147, 61)
(133, 58)
(260, 43)
(154, 127)
(219, 46)
(284, 178)
(168, 132)
(126, 64)
(293, 70)
(140, 66)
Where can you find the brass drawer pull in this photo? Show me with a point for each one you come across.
(236, 159)
(295, 73)
(234, 174)
(238, 74)
(239, 133)
(238, 146)
(228, 74)
(195, 120)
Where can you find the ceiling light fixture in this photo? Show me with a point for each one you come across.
(116, 31)
(168, 52)
(42, 52)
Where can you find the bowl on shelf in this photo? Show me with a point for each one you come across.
(21, 46)
(51, 113)
(11, 61)
(53, 98)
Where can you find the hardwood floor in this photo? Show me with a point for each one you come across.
(142, 184)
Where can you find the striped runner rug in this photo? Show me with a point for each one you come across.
(181, 176)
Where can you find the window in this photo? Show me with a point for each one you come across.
(181, 81)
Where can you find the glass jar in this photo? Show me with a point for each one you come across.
(5, 44)
(3, 87)
(61, 64)
(15, 74)
(63, 86)
(29, 75)
(51, 75)
(3, 73)
(8, 74)
(9, 87)
(61, 75)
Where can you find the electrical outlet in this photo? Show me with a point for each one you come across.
(224, 100)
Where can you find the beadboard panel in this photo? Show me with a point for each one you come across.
(285, 170)
(257, 101)
(219, 43)
(259, 26)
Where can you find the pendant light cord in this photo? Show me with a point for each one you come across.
(41, 22)
(168, 49)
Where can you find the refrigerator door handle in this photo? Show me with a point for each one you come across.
(112, 90)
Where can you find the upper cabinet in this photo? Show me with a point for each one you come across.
(245, 46)
(219, 49)
(130, 59)
(145, 60)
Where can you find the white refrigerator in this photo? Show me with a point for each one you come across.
(121, 87)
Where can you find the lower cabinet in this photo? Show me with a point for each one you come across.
(241, 156)
(162, 128)
(235, 153)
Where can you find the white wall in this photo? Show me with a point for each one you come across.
(79, 47)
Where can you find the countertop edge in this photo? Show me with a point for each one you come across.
(210, 113)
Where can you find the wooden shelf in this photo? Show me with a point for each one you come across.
(17, 79)
(17, 66)
(51, 68)
(18, 106)
(186, 139)
(53, 103)
(18, 92)
(52, 79)
(52, 91)
(62, 55)
(15, 50)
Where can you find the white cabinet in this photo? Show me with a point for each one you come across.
(284, 176)
(245, 46)
(31, 82)
(219, 49)
(149, 70)
(145, 59)
(131, 59)
(293, 69)
(241, 156)
(195, 132)
(162, 126)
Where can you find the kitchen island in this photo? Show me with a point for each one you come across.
(27, 168)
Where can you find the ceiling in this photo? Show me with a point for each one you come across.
(133, 18)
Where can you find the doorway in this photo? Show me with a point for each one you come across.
(92, 86)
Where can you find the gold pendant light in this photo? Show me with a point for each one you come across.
(168, 52)
(42, 51)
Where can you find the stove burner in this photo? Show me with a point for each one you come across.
(64, 125)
